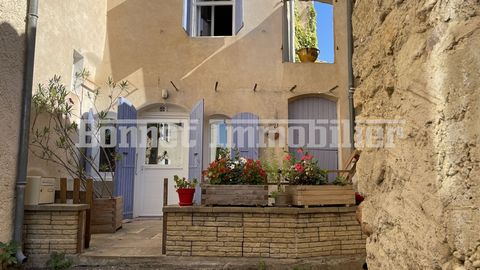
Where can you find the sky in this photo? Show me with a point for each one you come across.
(325, 31)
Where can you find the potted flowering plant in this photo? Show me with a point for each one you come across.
(234, 181)
(304, 171)
(309, 184)
(185, 190)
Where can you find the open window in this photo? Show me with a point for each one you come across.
(77, 69)
(210, 18)
(164, 144)
(309, 25)
(219, 134)
(107, 154)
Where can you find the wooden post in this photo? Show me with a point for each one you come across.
(165, 191)
(88, 217)
(76, 190)
(164, 218)
(63, 190)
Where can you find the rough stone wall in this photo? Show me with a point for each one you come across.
(419, 61)
(12, 48)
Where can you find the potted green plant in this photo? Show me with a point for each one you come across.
(234, 181)
(7, 255)
(185, 190)
(271, 166)
(308, 184)
(306, 34)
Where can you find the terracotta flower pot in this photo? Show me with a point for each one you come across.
(185, 196)
(358, 198)
(308, 55)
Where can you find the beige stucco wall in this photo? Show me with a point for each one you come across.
(147, 46)
(65, 26)
(12, 54)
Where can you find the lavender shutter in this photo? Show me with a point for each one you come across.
(195, 154)
(187, 16)
(125, 166)
(89, 150)
(238, 15)
(245, 135)
(315, 109)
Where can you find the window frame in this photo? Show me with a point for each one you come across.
(213, 145)
(289, 31)
(194, 16)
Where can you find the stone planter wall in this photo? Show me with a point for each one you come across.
(54, 227)
(271, 232)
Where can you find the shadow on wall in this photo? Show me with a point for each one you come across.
(159, 46)
(12, 53)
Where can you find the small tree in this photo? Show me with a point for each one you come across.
(55, 134)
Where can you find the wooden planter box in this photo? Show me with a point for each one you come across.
(235, 195)
(107, 215)
(321, 195)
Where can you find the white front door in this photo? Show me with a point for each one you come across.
(166, 158)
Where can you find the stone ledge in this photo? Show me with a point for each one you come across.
(262, 210)
(57, 207)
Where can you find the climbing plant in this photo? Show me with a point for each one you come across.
(305, 30)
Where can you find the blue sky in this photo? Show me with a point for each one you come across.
(325, 31)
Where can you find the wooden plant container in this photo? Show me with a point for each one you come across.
(107, 215)
(321, 195)
(235, 195)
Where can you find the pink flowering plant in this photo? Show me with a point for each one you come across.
(303, 171)
(236, 170)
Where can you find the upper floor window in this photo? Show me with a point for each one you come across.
(309, 31)
(208, 18)
(77, 69)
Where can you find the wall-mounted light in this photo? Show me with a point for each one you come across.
(164, 93)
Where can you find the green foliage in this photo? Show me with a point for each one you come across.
(305, 31)
(304, 171)
(54, 129)
(340, 181)
(227, 170)
(262, 265)
(7, 254)
(58, 261)
(184, 183)
(272, 168)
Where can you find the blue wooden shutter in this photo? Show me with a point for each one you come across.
(238, 15)
(187, 16)
(245, 135)
(90, 150)
(125, 166)
(195, 155)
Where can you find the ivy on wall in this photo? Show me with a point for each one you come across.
(305, 28)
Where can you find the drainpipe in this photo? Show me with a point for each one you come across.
(32, 17)
(351, 87)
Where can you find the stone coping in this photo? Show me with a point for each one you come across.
(57, 207)
(264, 210)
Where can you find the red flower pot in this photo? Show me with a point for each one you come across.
(358, 198)
(185, 196)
